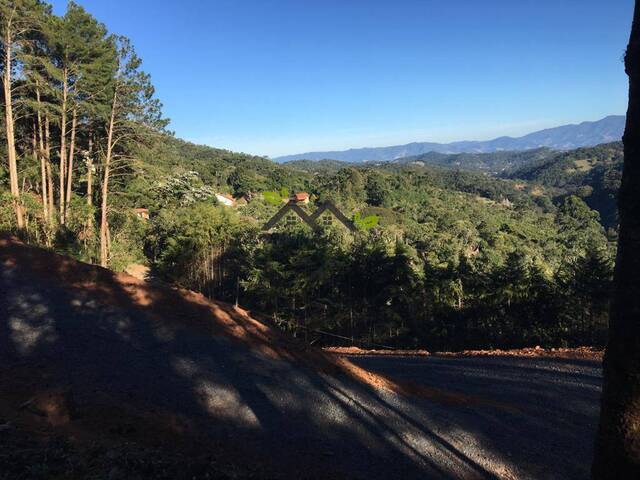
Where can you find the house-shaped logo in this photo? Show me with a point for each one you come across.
(293, 207)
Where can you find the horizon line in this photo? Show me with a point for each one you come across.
(490, 138)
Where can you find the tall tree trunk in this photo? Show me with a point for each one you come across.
(63, 146)
(11, 142)
(43, 160)
(90, 179)
(104, 224)
(38, 156)
(617, 452)
(72, 146)
(47, 154)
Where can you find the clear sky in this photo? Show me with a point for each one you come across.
(273, 77)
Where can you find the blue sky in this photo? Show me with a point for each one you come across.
(272, 77)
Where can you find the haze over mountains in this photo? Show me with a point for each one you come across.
(565, 137)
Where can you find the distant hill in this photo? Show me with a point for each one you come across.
(317, 166)
(566, 137)
(494, 163)
(592, 173)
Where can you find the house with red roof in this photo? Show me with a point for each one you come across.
(300, 197)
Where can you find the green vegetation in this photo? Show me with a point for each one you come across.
(495, 162)
(594, 174)
(442, 259)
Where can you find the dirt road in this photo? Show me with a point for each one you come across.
(548, 433)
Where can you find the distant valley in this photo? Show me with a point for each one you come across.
(566, 137)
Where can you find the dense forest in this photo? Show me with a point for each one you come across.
(494, 163)
(455, 259)
(594, 174)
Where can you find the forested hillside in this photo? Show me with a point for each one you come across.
(494, 163)
(445, 259)
(593, 174)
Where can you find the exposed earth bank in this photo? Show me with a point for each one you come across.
(578, 353)
(103, 375)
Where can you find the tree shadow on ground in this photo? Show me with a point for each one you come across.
(549, 433)
(152, 365)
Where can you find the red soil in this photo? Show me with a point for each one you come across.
(362, 351)
(577, 353)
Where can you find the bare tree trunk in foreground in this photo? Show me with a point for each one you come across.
(617, 454)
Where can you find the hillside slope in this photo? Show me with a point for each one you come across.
(154, 382)
(494, 163)
(97, 355)
(103, 354)
(593, 173)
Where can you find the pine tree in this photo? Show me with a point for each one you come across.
(92, 70)
(135, 115)
(18, 21)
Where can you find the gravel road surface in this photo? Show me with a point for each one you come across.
(548, 434)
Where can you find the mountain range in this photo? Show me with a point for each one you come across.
(565, 137)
